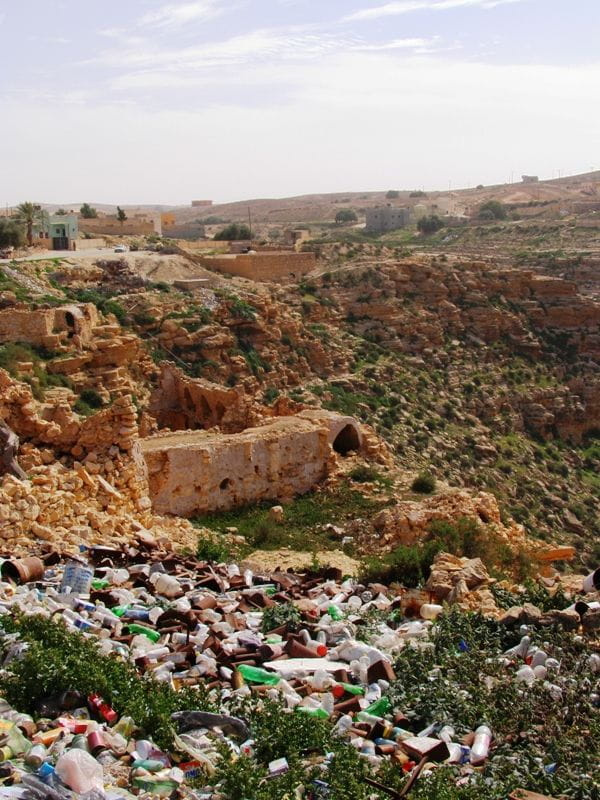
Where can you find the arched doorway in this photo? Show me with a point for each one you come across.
(346, 440)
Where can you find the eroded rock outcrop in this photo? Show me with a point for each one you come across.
(409, 521)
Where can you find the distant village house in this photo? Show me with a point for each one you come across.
(386, 218)
(57, 231)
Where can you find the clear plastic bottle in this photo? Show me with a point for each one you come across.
(481, 745)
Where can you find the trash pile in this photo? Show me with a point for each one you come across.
(212, 643)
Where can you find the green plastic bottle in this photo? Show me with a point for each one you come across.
(335, 613)
(257, 675)
(119, 610)
(379, 708)
(99, 583)
(154, 636)
(315, 713)
(350, 688)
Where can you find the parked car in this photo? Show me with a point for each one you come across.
(121, 248)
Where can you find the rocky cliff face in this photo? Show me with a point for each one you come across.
(485, 376)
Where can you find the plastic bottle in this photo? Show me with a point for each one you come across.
(327, 703)
(36, 756)
(447, 733)
(102, 708)
(430, 610)
(316, 713)
(139, 614)
(154, 636)
(481, 745)
(166, 585)
(380, 708)
(47, 774)
(258, 675)
(523, 647)
(594, 663)
(318, 647)
(343, 725)
(80, 771)
(340, 689)
(525, 675)
(539, 659)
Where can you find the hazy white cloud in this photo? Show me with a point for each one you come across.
(173, 15)
(47, 39)
(397, 7)
(258, 46)
(399, 44)
(358, 120)
(219, 62)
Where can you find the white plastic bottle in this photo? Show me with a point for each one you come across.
(481, 745)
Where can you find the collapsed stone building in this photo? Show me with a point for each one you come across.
(222, 449)
(51, 328)
(192, 472)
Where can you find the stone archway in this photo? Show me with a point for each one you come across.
(346, 440)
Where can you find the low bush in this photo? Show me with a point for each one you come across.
(424, 483)
(281, 614)
(212, 549)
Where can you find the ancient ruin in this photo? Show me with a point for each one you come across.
(189, 473)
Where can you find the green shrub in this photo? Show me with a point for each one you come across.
(408, 565)
(144, 318)
(57, 660)
(424, 483)
(493, 209)
(233, 232)
(271, 394)
(281, 614)
(212, 549)
(430, 224)
(91, 398)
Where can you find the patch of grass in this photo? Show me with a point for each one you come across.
(212, 549)
(14, 352)
(304, 519)
(365, 474)
(103, 301)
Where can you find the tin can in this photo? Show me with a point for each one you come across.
(592, 582)
(36, 756)
(95, 742)
(5, 753)
(80, 742)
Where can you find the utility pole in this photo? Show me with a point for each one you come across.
(250, 222)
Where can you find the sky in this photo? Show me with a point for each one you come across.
(147, 101)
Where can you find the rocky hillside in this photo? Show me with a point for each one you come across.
(483, 377)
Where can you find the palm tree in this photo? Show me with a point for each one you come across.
(28, 214)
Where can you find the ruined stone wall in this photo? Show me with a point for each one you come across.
(183, 403)
(281, 266)
(195, 472)
(34, 327)
(42, 326)
(107, 226)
